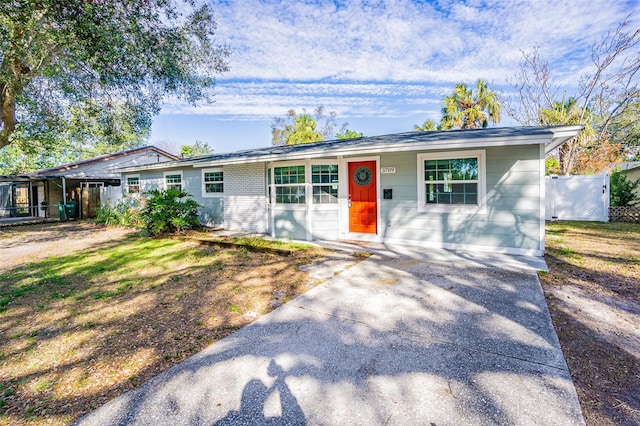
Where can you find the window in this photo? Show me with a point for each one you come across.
(173, 180)
(93, 184)
(324, 180)
(451, 181)
(132, 184)
(289, 182)
(212, 182)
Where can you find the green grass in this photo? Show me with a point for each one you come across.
(155, 301)
(55, 276)
(278, 244)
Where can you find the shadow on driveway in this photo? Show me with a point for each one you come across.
(389, 341)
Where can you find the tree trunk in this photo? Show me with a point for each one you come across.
(8, 117)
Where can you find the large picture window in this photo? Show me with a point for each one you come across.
(212, 182)
(324, 180)
(451, 180)
(289, 184)
(173, 180)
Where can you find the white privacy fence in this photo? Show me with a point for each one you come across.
(110, 195)
(577, 197)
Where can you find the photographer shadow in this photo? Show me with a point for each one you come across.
(254, 398)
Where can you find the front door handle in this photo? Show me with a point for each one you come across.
(349, 203)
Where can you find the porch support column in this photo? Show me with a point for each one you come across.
(64, 190)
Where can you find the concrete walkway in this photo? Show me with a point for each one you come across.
(437, 339)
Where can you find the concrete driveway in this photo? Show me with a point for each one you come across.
(437, 339)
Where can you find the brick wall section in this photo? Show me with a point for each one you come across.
(245, 202)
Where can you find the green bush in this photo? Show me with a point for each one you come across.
(622, 190)
(169, 211)
(552, 166)
(126, 213)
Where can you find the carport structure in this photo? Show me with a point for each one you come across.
(86, 182)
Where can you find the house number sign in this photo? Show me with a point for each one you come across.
(387, 170)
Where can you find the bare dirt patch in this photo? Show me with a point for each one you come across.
(88, 312)
(593, 292)
(21, 244)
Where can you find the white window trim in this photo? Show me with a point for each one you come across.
(204, 186)
(324, 162)
(177, 172)
(126, 185)
(309, 204)
(480, 208)
(290, 206)
(96, 184)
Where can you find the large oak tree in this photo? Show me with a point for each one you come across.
(59, 58)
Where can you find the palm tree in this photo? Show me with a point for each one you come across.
(570, 113)
(465, 110)
(428, 126)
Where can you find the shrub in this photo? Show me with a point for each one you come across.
(552, 166)
(169, 211)
(126, 213)
(622, 190)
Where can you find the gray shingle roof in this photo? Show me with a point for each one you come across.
(469, 137)
(376, 141)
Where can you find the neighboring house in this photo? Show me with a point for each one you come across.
(464, 189)
(38, 193)
(632, 172)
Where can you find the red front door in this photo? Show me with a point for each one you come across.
(363, 209)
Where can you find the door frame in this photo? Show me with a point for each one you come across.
(344, 197)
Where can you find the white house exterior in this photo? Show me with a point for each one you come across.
(463, 189)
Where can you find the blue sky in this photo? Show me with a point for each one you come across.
(381, 66)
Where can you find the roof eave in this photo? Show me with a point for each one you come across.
(154, 166)
(561, 135)
(409, 146)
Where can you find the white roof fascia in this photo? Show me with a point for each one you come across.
(395, 147)
(561, 135)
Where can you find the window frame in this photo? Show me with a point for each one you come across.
(164, 179)
(204, 183)
(127, 186)
(290, 185)
(313, 185)
(479, 208)
(309, 205)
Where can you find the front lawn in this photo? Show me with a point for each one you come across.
(593, 292)
(79, 329)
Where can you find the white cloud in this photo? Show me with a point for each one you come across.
(391, 58)
(402, 40)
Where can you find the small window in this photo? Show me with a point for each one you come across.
(289, 182)
(132, 184)
(451, 180)
(173, 180)
(324, 180)
(212, 182)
